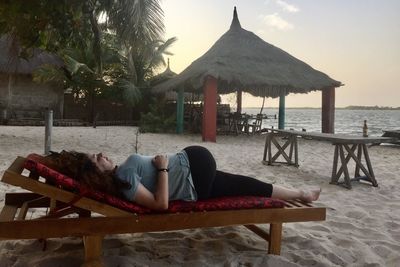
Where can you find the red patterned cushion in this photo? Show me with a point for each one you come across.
(225, 203)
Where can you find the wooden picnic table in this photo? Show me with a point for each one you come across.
(347, 147)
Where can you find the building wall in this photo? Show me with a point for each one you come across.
(29, 99)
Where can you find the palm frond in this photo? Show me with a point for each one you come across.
(74, 66)
(131, 93)
(137, 20)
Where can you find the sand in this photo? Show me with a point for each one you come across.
(362, 226)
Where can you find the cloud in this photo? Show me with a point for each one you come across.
(275, 21)
(287, 7)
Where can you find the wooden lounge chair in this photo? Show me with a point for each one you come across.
(112, 220)
(255, 127)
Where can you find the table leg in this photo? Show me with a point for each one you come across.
(359, 156)
(369, 165)
(296, 152)
(291, 148)
(369, 174)
(267, 136)
(281, 150)
(335, 177)
(348, 157)
(270, 148)
(344, 161)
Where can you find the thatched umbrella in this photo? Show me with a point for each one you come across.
(180, 97)
(173, 95)
(241, 61)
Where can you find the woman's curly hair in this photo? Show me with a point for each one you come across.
(80, 167)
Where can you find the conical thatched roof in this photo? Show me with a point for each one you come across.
(242, 60)
(11, 63)
(172, 95)
(164, 76)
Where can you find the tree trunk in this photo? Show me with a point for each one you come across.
(8, 108)
(98, 58)
(262, 107)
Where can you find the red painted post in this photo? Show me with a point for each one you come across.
(328, 110)
(209, 126)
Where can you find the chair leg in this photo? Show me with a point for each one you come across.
(275, 233)
(93, 251)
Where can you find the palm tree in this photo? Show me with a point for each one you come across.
(137, 26)
(142, 60)
(123, 73)
(79, 73)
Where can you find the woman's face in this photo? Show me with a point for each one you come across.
(102, 162)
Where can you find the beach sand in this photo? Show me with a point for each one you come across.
(362, 226)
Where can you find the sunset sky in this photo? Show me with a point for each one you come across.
(356, 42)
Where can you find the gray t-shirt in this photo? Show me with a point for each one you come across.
(139, 169)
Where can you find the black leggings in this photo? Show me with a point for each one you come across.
(209, 182)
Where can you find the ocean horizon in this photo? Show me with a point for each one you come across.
(348, 121)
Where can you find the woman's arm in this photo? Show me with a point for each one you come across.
(158, 200)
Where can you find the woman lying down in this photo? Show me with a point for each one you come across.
(153, 181)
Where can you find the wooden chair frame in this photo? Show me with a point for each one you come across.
(14, 225)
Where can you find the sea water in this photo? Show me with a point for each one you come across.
(346, 120)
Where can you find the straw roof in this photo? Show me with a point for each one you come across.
(172, 95)
(164, 76)
(242, 60)
(11, 63)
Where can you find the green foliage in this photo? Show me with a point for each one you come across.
(46, 24)
(110, 49)
(78, 74)
(158, 119)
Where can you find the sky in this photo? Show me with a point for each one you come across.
(356, 42)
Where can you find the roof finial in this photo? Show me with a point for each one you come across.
(235, 21)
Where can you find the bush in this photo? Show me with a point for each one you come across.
(158, 120)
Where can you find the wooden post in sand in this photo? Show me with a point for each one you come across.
(48, 120)
(209, 124)
(328, 110)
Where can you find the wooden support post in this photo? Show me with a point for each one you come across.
(93, 251)
(275, 233)
(335, 177)
(266, 147)
(281, 124)
(239, 101)
(179, 112)
(369, 165)
(296, 152)
(271, 136)
(48, 128)
(209, 124)
(344, 162)
(359, 157)
(328, 110)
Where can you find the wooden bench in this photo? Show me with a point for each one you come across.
(347, 147)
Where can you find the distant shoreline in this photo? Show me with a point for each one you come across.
(348, 107)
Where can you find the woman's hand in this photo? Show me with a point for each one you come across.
(160, 162)
(159, 199)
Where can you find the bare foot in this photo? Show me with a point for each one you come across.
(310, 195)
